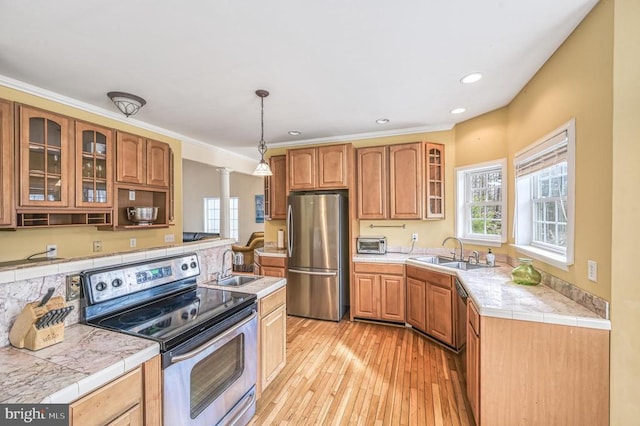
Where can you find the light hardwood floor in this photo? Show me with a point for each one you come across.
(364, 374)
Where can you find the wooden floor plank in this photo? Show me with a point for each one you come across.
(364, 374)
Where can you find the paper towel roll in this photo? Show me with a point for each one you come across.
(280, 239)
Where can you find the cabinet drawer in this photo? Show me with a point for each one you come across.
(278, 262)
(474, 317)
(436, 278)
(378, 268)
(269, 303)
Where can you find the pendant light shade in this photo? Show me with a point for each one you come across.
(127, 103)
(263, 168)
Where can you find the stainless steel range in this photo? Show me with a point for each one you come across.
(207, 337)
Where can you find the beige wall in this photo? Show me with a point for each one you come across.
(625, 291)
(78, 241)
(203, 180)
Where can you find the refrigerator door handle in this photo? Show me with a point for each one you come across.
(323, 274)
(290, 229)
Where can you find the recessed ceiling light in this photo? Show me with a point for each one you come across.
(382, 120)
(458, 110)
(471, 78)
(295, 132)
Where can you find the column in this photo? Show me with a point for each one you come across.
(225, 225)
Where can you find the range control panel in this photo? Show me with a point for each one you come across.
(110, 283)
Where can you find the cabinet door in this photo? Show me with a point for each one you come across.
(367, 294)
(372, 183)
(45, 159)
(416, 303)
(333, 166)
(440, 313)
(392, 298)
(130, 158)
(273, 357)
(7, 207)
(434, 208)
(271, 271)
(278, 187)
(157, 163)
(133, 417)
(302, 168)
(473, 367)
(405, 181)
(94, 165)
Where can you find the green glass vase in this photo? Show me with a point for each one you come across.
(525, 273)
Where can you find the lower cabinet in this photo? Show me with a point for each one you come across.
(379, 292)
(431, 306)
(132, 399)
(534, 373)
(270, 266)
(272, 347)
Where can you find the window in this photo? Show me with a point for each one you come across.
(481, 203)
(212, 216)
(545, 179)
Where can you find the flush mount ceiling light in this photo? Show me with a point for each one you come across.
(127, 103)
(471, 78)
(263, 168)
(295, 132)
(382, 120)
(458, 110)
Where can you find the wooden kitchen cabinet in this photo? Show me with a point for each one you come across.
(7, 204)
(142, 161)
(389, 182)
(273, 337)
(431, 305)
(135, 398)
(270, 266)
(379, 292)
(323, 167)
(94, 165)
(527, 372)
(275, 189)
(434, 202)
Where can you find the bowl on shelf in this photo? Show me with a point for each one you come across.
(142, 215)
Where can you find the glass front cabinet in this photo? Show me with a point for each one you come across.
(94, 173)
(435, 181)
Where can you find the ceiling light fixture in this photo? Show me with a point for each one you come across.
(382, 120)
(127, 103)
(295, 132)
(458, 110)
(263, 168)
(471, 78)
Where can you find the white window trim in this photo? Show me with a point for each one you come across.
(461, 172)
(231, 228)
(550, 257)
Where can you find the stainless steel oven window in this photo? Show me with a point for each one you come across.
(214, 374)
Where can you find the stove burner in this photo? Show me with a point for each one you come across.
(137, 317)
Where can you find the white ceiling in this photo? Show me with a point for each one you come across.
(333, 67)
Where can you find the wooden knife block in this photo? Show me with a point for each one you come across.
(24, 333)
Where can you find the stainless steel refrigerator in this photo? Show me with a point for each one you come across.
(318, 268)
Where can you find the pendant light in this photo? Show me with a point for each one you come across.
(263, 168)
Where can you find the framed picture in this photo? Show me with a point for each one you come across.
(260, 208)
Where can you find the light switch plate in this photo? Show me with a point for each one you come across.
(73, 287)
(592, 270)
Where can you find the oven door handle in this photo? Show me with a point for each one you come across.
(199, 349)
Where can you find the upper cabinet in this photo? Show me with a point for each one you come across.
(94, 165)
(390, 182)
(324, 167)
(7, 207)
(434, 203)
(142, 161)
(46, 158)
(275, 189)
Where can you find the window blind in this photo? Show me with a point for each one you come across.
(546, 154)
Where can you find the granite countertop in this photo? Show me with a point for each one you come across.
(61, 373)
(271, 252)
(496, 295)
(262, 287)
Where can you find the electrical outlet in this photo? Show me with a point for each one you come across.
(52, 250)
(132, 242)
(132, 195)
(592, 270)
(169, 238)
(73, 287)
(97, 246)
(414, 236)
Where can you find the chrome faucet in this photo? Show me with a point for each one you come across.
(454, 252)
(226, 272)
(474, 255)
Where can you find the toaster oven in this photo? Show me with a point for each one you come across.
(371, 245)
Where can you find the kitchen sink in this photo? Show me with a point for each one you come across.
(237, 280)
(449, 263)
(436, 260)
